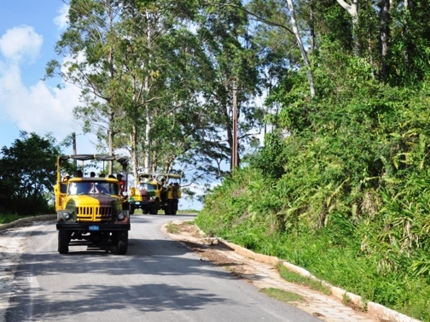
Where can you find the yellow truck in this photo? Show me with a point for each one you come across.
(154, 192)
(170, 193)
(91, 211)
(145, 195)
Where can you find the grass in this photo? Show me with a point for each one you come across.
(7, 218)
(299, 279)
(282, 295)
(188, 211)
(179, 212)
(172, 228)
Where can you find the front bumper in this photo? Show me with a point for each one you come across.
(142, 204)
(93, 227)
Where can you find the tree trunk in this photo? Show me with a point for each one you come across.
(312, 24)
(234, 150)
(353, 12)
(111, 114)
(147, 141)
(302, 48)
(384, 36)
(133, 139)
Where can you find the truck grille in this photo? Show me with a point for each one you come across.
(94, 214)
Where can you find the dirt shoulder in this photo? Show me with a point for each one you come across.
(264, 275)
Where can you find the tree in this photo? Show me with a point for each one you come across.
(224, 33)
(89, 46)
(137, 64)
(27, 174)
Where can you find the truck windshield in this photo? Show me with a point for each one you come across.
(93, 187)
(147, 187)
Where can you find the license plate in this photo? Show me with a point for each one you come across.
(137, 203)
(93, 228)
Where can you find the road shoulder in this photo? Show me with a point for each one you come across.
(260, 271)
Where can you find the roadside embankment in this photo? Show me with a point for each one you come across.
(26, 220)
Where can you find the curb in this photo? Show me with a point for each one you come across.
(24, 220)
(381, 312)
(378, 310)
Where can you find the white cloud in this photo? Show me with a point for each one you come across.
(36, 107)
(21, 43)
(62, 19)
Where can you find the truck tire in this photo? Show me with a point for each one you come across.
(172, 209)
(131, 209)
(121, 246)
(154, 209)
(63, 241)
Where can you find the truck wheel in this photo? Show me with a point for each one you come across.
(131, 209)
(154, 210)
(63, 241)
(172, 208)
(175, 207)
(121, 243)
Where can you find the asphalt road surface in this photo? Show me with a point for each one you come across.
(158, 280)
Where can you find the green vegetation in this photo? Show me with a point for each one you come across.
(340, 185)
(282, 295)
(299, 279)
(172, 228)
(27, 174)
(188, 212)
(6, 218)
(365, 254)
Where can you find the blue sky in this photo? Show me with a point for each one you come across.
(29, 30)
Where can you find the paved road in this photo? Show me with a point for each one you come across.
(158, 280)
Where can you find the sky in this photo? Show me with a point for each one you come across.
(29, 30)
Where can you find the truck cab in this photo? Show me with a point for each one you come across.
(145, 195)
(91, 210)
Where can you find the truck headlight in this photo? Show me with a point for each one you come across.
(121, 216)
(66, 215)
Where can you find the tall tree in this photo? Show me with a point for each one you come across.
(160, 57)
(224, 32)
(87, 44)
(28, 173)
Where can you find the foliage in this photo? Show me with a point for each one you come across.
(271, 159)
(6, 218)
(351, 203)
(299, 279)
(27, 174)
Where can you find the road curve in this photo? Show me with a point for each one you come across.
(158, 280)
